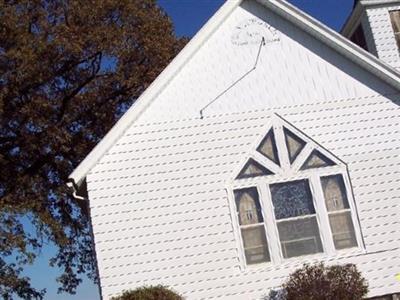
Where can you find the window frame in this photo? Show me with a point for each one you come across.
(252, 225)
(350, 209)
(291, 172)
(316, 215)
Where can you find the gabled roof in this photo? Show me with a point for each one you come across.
(280, 7)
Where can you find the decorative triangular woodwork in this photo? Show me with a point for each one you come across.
(294, 144)
(268, 147)
(317, 160)
(253, 169)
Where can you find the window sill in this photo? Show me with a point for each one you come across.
(350, 252)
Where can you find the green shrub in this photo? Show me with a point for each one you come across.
(157, 292)
(320, 282)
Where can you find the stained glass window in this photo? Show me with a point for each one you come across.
(253, 169)
(268, 147)
(317, 160)
(292, 199)
(248, 206)
(334, 193)
(294, 144)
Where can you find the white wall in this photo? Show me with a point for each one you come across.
(158, 201)
(161, 214)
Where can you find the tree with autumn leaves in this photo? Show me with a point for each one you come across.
(68, 70)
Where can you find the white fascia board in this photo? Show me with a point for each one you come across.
(282, 8)
(77, 176)
(336, 41)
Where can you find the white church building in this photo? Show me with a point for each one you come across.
(270, 141)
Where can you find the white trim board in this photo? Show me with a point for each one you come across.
(280, 7)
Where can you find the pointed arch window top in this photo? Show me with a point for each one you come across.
(253, 169)
(294, 144)
(248, 206)
(285, 150)
(268, 147)
(317, 160)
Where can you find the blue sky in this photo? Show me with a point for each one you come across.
(188, 17)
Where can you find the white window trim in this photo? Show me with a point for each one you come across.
(288, 173)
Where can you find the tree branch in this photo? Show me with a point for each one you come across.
(67, 98)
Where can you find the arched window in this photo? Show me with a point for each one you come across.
(305, 206)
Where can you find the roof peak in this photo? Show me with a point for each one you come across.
(282, 8)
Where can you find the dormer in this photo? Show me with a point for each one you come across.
(375, 26)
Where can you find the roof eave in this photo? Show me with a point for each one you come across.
(335, 41)
(79, 174)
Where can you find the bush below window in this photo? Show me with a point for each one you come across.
(149, 293)
(320, 282)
